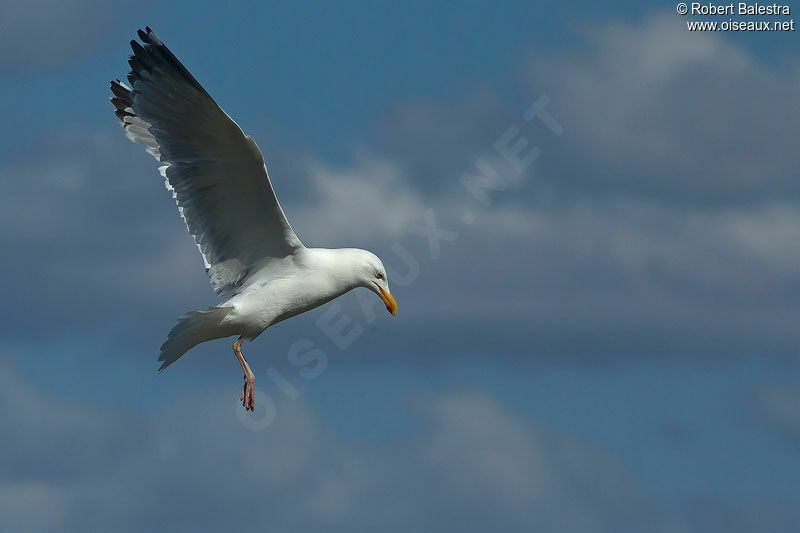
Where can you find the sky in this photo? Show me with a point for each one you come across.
(589, 219)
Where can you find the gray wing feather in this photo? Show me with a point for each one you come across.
(215, 172)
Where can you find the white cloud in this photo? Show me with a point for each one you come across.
(369, 200)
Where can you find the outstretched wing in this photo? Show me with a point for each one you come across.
(215, 172)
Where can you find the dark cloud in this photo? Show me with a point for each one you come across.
(471, 464)
(647, 226)
(661, 223)
(778, 408)
(196, 467)
(648, 111)
(81, 226)
(660, 220)
(49, 33)
(677, 117)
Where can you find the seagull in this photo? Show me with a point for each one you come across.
(219, 180)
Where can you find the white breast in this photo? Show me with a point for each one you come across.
(280, 294)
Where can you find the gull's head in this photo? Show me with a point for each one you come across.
(372, 275)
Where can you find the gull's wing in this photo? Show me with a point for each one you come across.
(215, 172)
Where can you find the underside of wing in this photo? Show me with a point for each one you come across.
(215, 172)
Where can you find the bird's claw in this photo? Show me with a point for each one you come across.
(248, 394)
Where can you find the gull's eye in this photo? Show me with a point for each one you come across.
(379, 275)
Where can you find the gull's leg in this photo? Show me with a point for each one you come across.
(248, 399)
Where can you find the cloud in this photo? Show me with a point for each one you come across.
(470, 464)
(678, 117)
(659, 221)
(649, 110)
(363, 202)
(649, 225)
(81, 221)
(779, 409)
(49, 33)
(194, 466)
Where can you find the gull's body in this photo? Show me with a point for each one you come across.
(297, 283)
(220, 182)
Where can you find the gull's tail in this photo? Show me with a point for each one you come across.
(193, 328)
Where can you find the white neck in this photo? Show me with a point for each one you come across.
(340, 265)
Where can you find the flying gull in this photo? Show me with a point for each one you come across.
(219, 180)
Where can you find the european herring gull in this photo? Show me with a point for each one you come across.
(219, 180)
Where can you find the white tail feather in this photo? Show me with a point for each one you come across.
(193, 328)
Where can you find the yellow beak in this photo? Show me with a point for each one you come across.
(388, 299)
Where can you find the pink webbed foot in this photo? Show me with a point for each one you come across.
(248, 393)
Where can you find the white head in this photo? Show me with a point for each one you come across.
(369, 272)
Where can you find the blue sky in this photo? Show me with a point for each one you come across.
(609, 346)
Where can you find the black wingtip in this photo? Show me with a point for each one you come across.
(136, 65)
(152, 56)
(119, 103)
(122, 114)
(152, 38)
(138, 49)
(120, 91)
